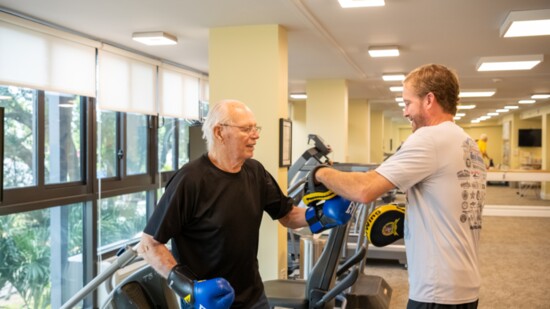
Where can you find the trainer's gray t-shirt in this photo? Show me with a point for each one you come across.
(442, 171)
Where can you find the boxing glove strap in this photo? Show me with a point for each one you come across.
(181, 280)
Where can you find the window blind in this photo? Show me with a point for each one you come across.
(179, 93)
(34, 56)
(126, 82)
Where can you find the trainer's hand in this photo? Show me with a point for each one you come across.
(332, 212)
(208, 294)
(315, 191)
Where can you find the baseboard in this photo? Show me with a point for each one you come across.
(516, 211)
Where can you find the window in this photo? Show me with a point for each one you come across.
(62, 148)
(167, 138)
(122, 218)
(136, 144)
(20, 136)
(41, 257)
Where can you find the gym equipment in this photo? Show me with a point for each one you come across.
(144, 288)
(385, 225)
(321, 289)
(326, 284)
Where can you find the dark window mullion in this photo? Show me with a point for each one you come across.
(121, 145)
(40, 143)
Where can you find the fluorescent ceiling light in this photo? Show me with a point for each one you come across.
(541, 96)
(475, 121)
(502, 110)
(399, 99)
(396, 89)
(457, 117)
(509, 107)
(460, 114)
(526, 101)
(526, 23)
(402, 104)
(298, 96)
(383, 51)
(471, 106)
(360, 3)
(492, 114)
(477, 93)
(155, 38)
(509, 63)
(393, 77)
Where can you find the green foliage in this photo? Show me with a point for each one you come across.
(25, 258)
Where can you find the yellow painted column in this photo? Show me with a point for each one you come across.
(327, 114)
(250, 64)
(359, 132)
(377, 137)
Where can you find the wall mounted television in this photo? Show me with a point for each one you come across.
(529, 137)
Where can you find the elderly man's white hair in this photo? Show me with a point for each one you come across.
(218, 114)
(483, 137)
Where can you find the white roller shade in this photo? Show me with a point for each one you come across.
(127, 83)
(35, 59)
(179, 93)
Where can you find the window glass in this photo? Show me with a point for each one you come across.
(62, 138)
(107, 144)
(41, 257)
(19, 136)
(166, 142)
(136, 144)
(122, 218)
(183, 143)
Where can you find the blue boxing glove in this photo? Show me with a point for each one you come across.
(208, 294)
(332, 212)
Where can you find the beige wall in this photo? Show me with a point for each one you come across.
(297, 113)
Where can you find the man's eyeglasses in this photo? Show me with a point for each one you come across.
(247, 129)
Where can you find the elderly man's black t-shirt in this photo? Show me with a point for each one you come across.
(214, 219)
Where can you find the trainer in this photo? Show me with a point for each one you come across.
(442, 171)
(212, 209)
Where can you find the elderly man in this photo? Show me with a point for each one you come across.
(212, 209)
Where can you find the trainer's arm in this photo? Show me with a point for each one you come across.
(295, 218)
(363, 187)
(156, 254)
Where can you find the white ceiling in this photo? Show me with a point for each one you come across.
(328, 42)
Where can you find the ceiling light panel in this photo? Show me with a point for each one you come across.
(526, 23)
(360, 3)
(396, 89)
(541, 96)
(481, 93)
(393, 77)
(383, 51)
(298, 96)
(527, 101)
(509, 63)
(155, 38)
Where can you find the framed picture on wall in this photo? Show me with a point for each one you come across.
(285, 142)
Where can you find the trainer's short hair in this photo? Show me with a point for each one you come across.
(440, 81)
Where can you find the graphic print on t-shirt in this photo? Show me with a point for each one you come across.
(472, 181)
